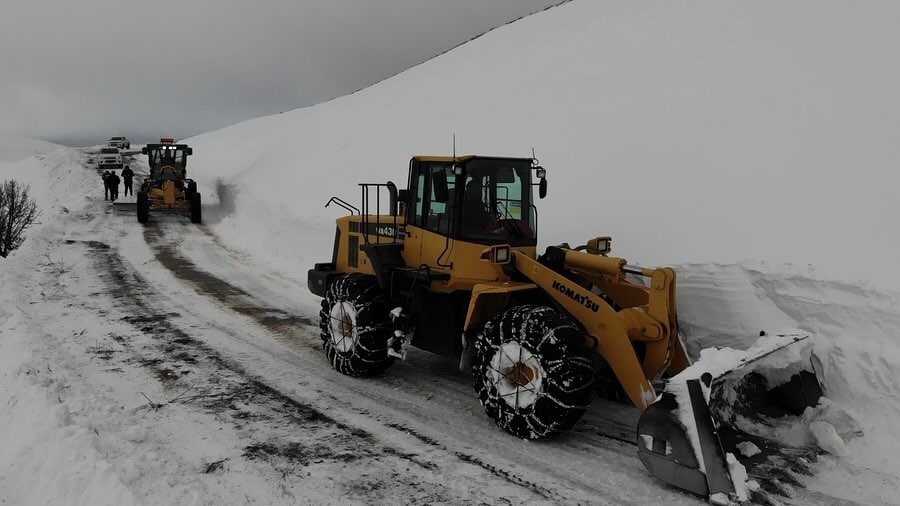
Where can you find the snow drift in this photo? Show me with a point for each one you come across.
(14, 148)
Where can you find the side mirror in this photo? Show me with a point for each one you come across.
(189, 151)
(439, 186)
(541, 174)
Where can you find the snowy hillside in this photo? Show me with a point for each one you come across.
(14, 148)
(690, 132)
(747, 145)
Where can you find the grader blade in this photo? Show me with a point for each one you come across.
(715, 429)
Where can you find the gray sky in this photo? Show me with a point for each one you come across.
(80, 71)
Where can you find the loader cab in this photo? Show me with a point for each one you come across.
(483, 200)
(168, 156)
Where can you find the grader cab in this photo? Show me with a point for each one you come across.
(450, 265)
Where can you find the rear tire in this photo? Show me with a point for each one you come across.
(533, 374)
(143, 207)
(196, 211)
(355, 326)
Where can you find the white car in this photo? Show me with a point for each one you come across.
(120, 142)
(109, 158)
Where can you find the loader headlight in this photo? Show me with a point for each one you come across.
(599, 245)
(501, 255)
(498, 255)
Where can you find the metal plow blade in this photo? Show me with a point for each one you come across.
(124, 207)
(723, 427)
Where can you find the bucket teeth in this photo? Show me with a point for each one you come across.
(777, 487)
(807, 454)
(779, 474)
(765, 498)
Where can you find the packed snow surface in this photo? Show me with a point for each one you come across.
(748, 145)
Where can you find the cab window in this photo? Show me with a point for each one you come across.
(432, 210)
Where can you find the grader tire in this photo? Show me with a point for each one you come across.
(355, 326)
(533, 374)
(196, 210)
(143, 207)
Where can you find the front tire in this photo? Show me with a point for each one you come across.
(533, 374)
(196, 210)
(143, 207)
(355, 326)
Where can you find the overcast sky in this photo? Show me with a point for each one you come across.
(78, 72)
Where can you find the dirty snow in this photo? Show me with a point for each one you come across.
(759, 167)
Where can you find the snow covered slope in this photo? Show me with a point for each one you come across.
(14, 148)
(690, 132)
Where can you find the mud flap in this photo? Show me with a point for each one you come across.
(686, 436)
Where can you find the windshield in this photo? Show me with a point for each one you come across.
(496, 202)
(107, 151)
(167, 155)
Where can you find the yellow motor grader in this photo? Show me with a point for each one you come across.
(167, 189)
(450, 265)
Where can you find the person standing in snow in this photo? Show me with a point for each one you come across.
(127, 176)
(113, 181)
(105, 185)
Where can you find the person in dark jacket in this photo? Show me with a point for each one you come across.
(127, 176)
(113, 180)
(105, 185)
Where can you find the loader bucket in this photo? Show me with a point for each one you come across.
(721, 422)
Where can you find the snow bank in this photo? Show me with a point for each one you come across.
(660, 125)
(14, 148)
(46, 459)
(854, 336)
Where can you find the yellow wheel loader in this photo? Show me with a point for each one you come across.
(450, 265)
(167, 189)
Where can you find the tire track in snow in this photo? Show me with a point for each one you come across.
(596, 433)
(222, 387)
(280, 322)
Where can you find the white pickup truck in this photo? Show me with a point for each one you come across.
(119, 142)
(109, 158)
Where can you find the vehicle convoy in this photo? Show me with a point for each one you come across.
(167, 189)
(450, 265)
(109, 158)
(120, 142)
